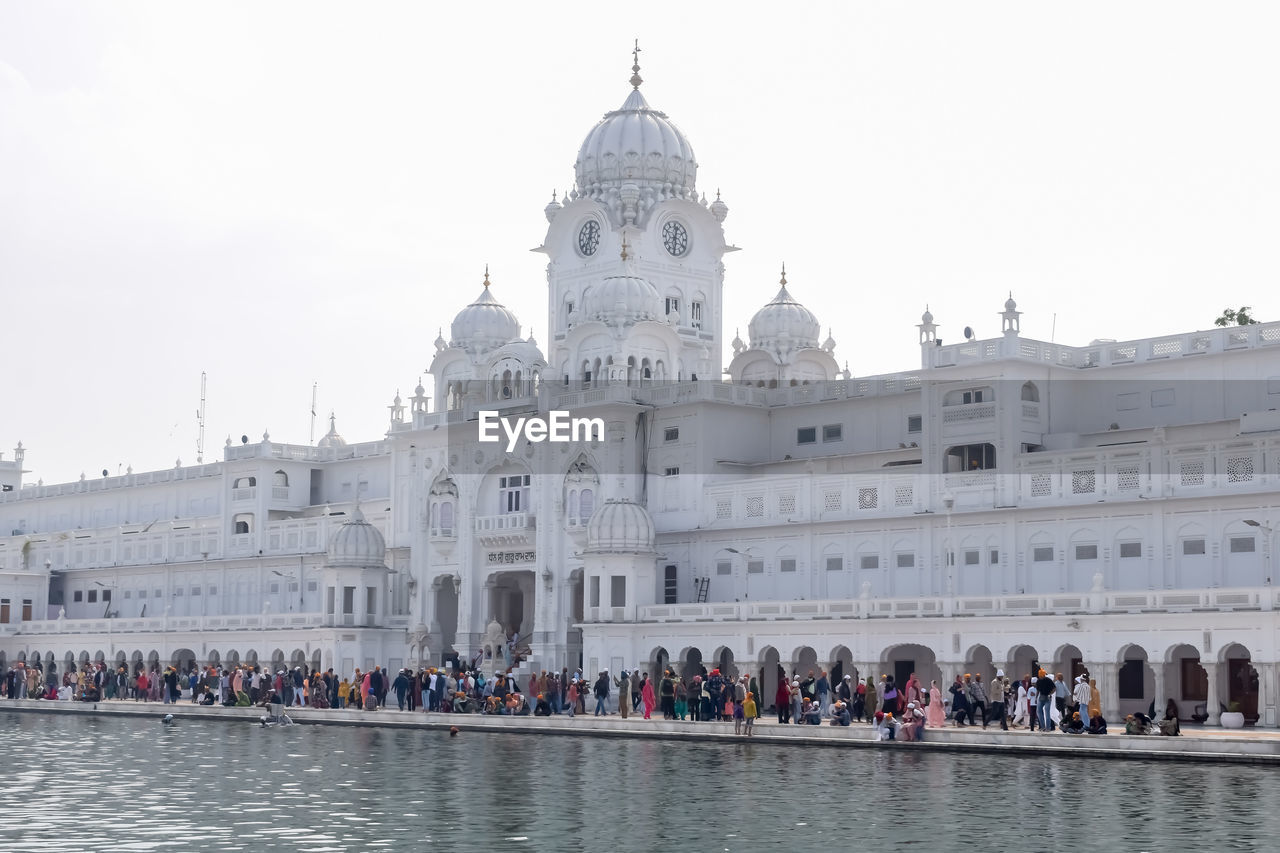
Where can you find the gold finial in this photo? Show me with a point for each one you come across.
(486, 276)
(624, 247)
(784, 274)
(636, 79)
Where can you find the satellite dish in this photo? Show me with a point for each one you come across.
(244, 439)
(105, 473)
(968, 333)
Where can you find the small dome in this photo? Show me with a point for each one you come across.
(357, 544)
(927, 317)
(485, 323)
(553, 207)
(331, 438)
(636, 144)
(626, 297)
(719, 209)
(784, 320)
(524, 352)
(621, 526)
(1009, 304)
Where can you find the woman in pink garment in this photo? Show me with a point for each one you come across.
(646, 696)
(913, 690)
(936, 715)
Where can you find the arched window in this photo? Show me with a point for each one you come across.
(573, 506)
(245, 482)
(243, 523)
(1030, 393)
(446, 518)
(587, 505)
(280, 478)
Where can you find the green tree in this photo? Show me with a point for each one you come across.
(1238, 317)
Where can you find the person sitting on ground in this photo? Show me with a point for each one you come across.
(242, 699)
(1097, 725)
(812, 713)
(1074, 725)
(1170, 726)
(543, 708)
(462, 704)
(207, 698)
(1137, 724)
(913, 723)
(840, 714)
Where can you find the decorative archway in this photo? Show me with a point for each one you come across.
(1135, 682)
(1242, 681)
(724, 660)
(692, 663)
(902, 660)
(1021, 661)
(770, 667)
(803, 660)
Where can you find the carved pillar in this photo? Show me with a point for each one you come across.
(1212, 703)
(1109, 686)
(1159, 698)
(1267, 710)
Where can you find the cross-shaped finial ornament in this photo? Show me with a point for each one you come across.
(636, 79)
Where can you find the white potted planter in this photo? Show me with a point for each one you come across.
(1232, 720)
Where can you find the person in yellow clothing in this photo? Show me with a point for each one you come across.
(749, 712)
(344, 689)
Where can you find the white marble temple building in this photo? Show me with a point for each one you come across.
(1111, 506)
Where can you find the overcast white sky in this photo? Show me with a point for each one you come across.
(286, 193)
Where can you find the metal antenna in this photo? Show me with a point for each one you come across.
(200, 420)
(314, 385)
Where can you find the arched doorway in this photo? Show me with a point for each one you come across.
(724, 660)
(1135, 682)
(693, 663)
(770, 668)
(1069, 661)
(901, 661)
(658, 662)
(841, 665)
(1022, 661)
(804, 661)
(277, 660)
(1242, 681)
(215, 659)
(298, 659)
(184, 660)
(1188, 684)
(978, 662)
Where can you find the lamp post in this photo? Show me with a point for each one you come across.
(1268, 599)
(948, 503)
(287, 577)
(106, 596)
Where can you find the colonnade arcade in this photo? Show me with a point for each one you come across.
(1135, 679)
(184, 659)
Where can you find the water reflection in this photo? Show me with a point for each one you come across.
(92, 784)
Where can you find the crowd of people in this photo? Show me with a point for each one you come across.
(895, 712)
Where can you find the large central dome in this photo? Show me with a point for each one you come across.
(636, 144)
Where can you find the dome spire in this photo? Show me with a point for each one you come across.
(636, 79)
(625, 256)
(783, 282)
(486, 276)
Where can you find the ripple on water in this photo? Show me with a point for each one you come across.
(318, 788)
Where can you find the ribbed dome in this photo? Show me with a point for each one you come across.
(357, 544)
(636, 144)
(485, 323)
(626, 298)
(784, 321)
(331, 438)
(621, 526)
